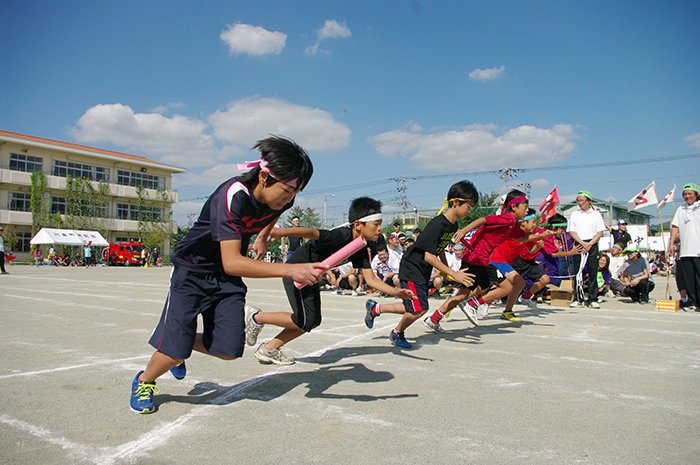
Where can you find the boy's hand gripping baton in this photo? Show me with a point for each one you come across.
(342, 254)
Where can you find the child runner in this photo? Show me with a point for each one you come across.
(552, 252)
(491, 231)
(365, 216)
(211, 259)
(419, 260)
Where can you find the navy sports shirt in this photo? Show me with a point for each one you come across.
(231, 212)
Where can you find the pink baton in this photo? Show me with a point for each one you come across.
(342, 254)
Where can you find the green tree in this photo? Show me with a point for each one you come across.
(177, 235)
(154, 217)
(308, 218)
(39, 203)
(86, 206)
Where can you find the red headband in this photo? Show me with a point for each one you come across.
(517, 200)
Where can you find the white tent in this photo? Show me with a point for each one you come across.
(68, 237)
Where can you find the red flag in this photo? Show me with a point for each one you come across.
(548, 207)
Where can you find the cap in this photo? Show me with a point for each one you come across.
(585, 194)
(693, 187)
(621, 222)
(402, 235)
(632, 248)
(1, 228)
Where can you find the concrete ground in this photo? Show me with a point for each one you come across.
(617, 385)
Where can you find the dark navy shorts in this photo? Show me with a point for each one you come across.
(305, 303)
(420, 303)
(219, 298)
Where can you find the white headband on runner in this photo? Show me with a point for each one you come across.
(374, 217)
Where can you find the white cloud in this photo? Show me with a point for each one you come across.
(246, 121)
(693, 140)
(478, 148)
(165, 108)
(253, 40)
(487, 74)
(210, 177)
(332, 29)
(540, 184)
(177, 140)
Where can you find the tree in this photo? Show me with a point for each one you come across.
(308, 218)
(39, 203)
(177, 235)
(154, 217)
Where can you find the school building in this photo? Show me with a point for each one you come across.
(21, 155)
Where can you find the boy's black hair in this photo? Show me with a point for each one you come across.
(363, 206)
(296, 216)
(285, 158)
(515, 193)
(531, 211)
(411, 240)
(417, 230)
(382, 248)
(463, 190)
(557, 218)
(397, 224)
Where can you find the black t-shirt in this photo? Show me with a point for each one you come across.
(436, 236)
(294, 243)
(621, 236)
(329, 242)
(232, 212)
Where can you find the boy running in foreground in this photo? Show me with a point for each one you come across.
(365, 216)
(211, 259)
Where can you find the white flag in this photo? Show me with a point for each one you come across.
(668, 198)
(644, 198)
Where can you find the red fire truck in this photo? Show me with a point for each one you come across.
(126, 253)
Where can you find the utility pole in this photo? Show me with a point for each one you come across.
(325, 213)
(404, 199)
(506, 173)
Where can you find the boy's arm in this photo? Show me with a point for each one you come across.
(535, 237)
(260, 244)
(378, 284)
(459, 235)
(459, 276)
(308, 233)
(236, 264)
(576, 250)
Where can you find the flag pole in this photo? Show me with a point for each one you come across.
(663, 241)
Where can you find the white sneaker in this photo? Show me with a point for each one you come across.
(273, 356)
(354, 293)
(593, 304)
(575, 304)
(252, 329)
(483, 310)
(340, 292)
(434, 327)
(470, 312)
(529, 302)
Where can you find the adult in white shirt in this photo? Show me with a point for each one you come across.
(586, 228)
(616, 262)
(386, 266)
(686, 225)
(393, 246)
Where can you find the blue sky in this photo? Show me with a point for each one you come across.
(373, 90)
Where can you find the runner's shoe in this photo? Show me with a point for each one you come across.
(575, 304)
(593, 304)
(142, 396)
(179, 371)
(275, 356)
(399, 340)
(434, 327)
(470, 312)
(252, 329)
(483, 310)
(529, 302)
(510, 316)
(354, 293)
(369, 315)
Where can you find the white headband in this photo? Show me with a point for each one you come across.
(374, 217)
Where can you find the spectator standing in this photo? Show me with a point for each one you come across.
(294, 242)
(586, 228)
(686, 226)
(620, 234)
(87, 251)
(2, 253)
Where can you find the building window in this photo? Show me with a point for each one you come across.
(79, 170)
(20, 202)
(23, 244)
(26, 163)
(58, 205)
(127, 211)
(129, 178)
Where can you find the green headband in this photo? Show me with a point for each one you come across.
(585, 194)
(692, 187)
(559, 225)
(617, 245)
